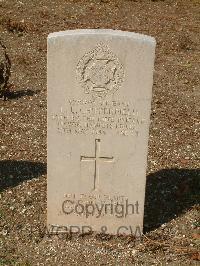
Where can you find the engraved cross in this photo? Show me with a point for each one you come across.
(97, 159)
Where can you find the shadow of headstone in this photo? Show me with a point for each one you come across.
(170, 192)
(14, 172)
(16, 94)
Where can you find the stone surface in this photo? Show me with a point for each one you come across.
(99, 102)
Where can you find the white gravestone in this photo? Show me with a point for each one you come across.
(99, 102)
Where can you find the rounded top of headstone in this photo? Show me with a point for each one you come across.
(136, 36)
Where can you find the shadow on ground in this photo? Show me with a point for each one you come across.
(22, 93)
(170, 192)
(9, 95)
(14, 172)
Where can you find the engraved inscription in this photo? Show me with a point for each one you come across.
(88, 117)
(100, 71)
(96, 197)
(97, 159)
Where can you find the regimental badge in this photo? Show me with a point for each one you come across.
(100, 72)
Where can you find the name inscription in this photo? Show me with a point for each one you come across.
(90, 117)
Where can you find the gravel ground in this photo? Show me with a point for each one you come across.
(172, 210)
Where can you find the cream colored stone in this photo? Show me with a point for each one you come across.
(99, 101)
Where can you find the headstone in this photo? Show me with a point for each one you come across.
(99, 102)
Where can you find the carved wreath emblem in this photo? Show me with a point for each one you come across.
(100, 71)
